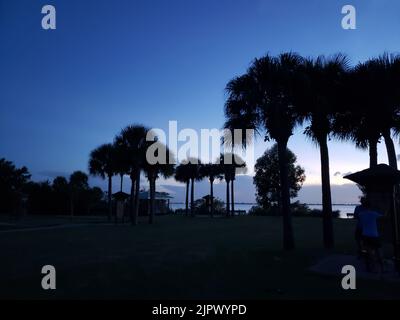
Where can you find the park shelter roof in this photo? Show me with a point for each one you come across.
(121, 195)
(380, 175)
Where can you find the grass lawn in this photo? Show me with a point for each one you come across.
(178, 258)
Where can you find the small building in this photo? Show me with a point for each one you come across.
(120, 205)
(161, 203)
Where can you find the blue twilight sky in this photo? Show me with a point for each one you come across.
(115, 62)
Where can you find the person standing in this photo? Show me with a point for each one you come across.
(358, 232)
(371, 241)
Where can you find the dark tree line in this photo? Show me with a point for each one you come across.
(61, 196)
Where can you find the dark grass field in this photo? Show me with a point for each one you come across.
(178, 258)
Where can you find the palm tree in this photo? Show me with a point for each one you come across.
(182, 174)
(373, 106)
(384, 74)
(264, 99)
(133, 140)
(212, 171)
(226, 166)
(357, 125)
(102, 163)
(231, 165)
(164, 168)
(319, 101)
(357, 122)
(121, 163)
(193, 169)
(238, 167)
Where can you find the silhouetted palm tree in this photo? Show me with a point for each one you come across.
(231, 165)
(212, 171)
(164, 167)
(373, 106)
(226, 166)
(319, 101)
(193, 167)
(357, 123)
(102, 162)
(121, 163)
(358, 126)
(133, 140)
(182, 174)
(384, 74)
(238, 167)
(264, 99)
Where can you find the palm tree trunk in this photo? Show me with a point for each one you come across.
(373, 152)
(390, 149)
(137, 198)
(152, 198)
(233, 198)
(227, 199)
(109, 197)
(192, 200)
(122, 182)
(212, 198)
(328, 237)
(288, 238)
(132, 199)
(187, 198)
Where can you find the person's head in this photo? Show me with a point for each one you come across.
(365, 202)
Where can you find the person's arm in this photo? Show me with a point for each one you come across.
(356, 211)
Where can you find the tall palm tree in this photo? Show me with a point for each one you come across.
(238, 167)
(357, 123)
(384, 73)
(319, 101)
(232, 164)
(213, 171)
(102, 163)
(164, 168)
(358, 126)
(264, 99)
(373, 106)
(193, 167)
(133, 140)
(182, 174)
(226, 166)
(121, 163)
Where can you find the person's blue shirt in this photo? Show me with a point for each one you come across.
(369, 223)
(357, 212)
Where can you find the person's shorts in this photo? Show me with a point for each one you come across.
(371, 242)
(358, 234)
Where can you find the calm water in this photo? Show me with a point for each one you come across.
(342, 208)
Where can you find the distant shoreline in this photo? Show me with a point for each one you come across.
(309, 204)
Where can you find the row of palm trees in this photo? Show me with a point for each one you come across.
(225, 168)
(127, 156)
(359, 104)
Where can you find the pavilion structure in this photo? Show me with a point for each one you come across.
(381, 185)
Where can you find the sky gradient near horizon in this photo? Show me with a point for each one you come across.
(113, 63)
